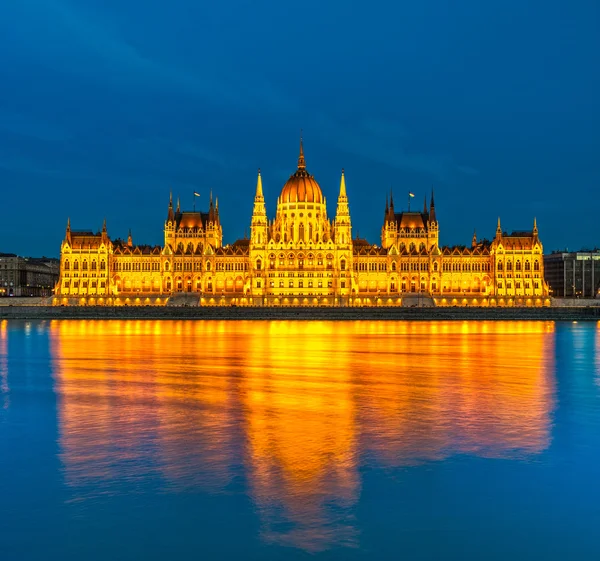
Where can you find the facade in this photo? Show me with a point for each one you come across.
(27, 276)
(302, 257)
(574, 274)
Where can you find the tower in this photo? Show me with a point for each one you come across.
(258, 227)
(343, 227)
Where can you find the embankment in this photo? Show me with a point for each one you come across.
(261, 313)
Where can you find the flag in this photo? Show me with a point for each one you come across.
(411, 194)
(196, 194)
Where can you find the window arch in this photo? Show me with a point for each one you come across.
(343, 264)
(518, 266)
(435, 267)
(66, 265)
(393, 265)
(527, 265)
(536, 265)
(258, 264)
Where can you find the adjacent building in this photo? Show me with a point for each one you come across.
(27, 276)
(302, 256)
(573, 274)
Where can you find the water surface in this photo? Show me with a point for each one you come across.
(299, 440)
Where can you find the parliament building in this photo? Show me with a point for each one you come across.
(301, 257)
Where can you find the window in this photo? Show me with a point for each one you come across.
(527, 266)
(500, 268)
(343, 284)
(280, 284)
(272, 284)
(291, 284)
(300, 284)
(67, 265)
(518, 267)
(258, 264)
(536, 265)
(343, 264)
(393, 265)
(258, 283)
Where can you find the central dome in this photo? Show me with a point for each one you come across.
(301, 187)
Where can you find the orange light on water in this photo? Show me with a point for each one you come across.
(297, 403)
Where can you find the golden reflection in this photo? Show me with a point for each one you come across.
(4, 389)
(300, 419)
(296, 406)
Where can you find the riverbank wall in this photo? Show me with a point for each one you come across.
(562, 313)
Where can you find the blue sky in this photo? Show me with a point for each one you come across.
(107, 105)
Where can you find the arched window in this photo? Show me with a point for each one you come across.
(422, 247)
(76, 265)
(258, 264)
(343, 264)
(536, 265)
(208, 265)
(435, 267)
(518, 267)
(527, 266)
(301, 232)
(393, 265)
(85, 266)
(500, 267)
(509, 266)
(67, 265)
(411, 247)
(180, 246)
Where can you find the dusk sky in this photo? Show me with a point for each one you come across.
(106, 105)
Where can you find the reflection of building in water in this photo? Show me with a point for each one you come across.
(4, 389)
(131, 404)
(443, 388)
(301, 427)
(296, 404)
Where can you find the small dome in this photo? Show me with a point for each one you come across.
(301, 186)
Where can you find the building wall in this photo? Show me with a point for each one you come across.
(573, 274)
(302, 257)
(27, 276)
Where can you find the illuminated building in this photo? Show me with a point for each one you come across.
(302, 258)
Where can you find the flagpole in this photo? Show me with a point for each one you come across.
(409, 202)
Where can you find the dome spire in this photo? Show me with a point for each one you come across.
(301, 162)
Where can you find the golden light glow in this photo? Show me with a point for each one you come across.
(298, 404)
(4, 389)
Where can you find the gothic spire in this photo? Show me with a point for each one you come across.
(432, 217)
(498, 229)
(425, 205)
(535, 228)
(259, 189)
(343, 185)
(301, 161)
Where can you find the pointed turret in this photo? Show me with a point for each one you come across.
(301, 162)
(535, 228)
(129, 239)
(170, 214)
(68, 230)
(343, 227)
(259, 223)
(432, 217)
(178, 205)
(425, 205)
(474, 240)
(104, 226)
(498, 229)
(259, 189)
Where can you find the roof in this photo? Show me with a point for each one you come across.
(187, 219)
(411, 219)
